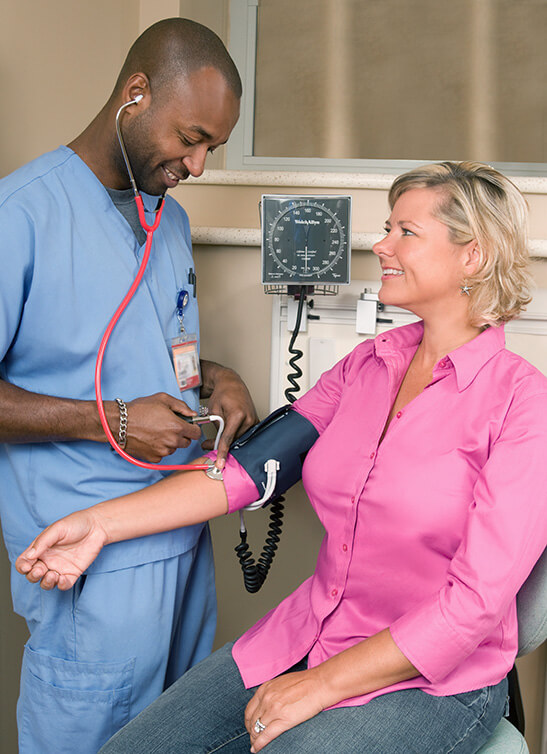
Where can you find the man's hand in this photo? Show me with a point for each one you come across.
(155, 427)
(62, 552)
(230, 399)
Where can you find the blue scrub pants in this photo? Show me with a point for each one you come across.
(101, 652)
(203, 713)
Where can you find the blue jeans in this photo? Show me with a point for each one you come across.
(203, 711)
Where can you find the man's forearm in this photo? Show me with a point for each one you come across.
(32, 417)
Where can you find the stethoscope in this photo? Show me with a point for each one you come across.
(149, 230)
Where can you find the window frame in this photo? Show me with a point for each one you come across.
(239, 150)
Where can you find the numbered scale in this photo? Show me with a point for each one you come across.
(306, 240)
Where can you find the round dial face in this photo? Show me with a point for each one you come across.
(305, 239)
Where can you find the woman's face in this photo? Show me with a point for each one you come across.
(422, 269)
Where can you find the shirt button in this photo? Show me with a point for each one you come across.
(399, 414)
(442, 363)
(345, 548)
(352, 500)
(334, 592)
(372, 455)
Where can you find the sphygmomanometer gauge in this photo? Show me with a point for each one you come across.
(306, 239)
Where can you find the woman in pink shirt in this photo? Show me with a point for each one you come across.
(430, 479)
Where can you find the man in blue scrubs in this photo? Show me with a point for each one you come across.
(145, 611)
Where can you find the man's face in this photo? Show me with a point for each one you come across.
(170, 139)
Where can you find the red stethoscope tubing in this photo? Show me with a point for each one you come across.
(106, 337)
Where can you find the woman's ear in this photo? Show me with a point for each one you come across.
(472, 257)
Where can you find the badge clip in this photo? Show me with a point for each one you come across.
(184, 349)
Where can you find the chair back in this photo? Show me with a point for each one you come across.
(508, 737)
(532, 608)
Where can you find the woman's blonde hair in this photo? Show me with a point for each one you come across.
(477, 202)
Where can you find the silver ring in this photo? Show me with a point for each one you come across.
(259, 726)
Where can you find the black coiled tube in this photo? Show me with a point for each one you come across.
(254, 573)
(297, 354)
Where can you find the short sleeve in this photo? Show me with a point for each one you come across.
(240, 488)
(16, 263)
(318, 406)
(321, 402)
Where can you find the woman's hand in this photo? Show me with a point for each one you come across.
(282, 703)
(62, 552)
(290, 699)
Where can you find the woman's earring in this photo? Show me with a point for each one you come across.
(465, 289)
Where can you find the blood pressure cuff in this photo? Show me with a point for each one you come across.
(286, 436)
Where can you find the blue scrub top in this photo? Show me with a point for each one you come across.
(67, 258)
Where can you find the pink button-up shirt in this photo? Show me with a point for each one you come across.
(430, 533)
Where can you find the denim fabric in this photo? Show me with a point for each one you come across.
(203, 713)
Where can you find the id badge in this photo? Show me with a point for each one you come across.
(184, 350)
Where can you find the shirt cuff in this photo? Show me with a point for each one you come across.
(429, 642)
(240, 488)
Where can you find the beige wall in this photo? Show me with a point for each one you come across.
(58, 62)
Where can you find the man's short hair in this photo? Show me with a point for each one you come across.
(174, 48)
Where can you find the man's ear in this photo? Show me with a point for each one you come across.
(137, 86)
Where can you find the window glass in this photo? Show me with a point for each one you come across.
(402, 79)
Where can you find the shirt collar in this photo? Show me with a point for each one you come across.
(470, 358)
(392, 341)
(467, 360)
(150, 202)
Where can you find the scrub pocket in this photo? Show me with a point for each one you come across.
(87, 701)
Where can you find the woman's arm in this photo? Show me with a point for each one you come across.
(290, 699)
(63, 551)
